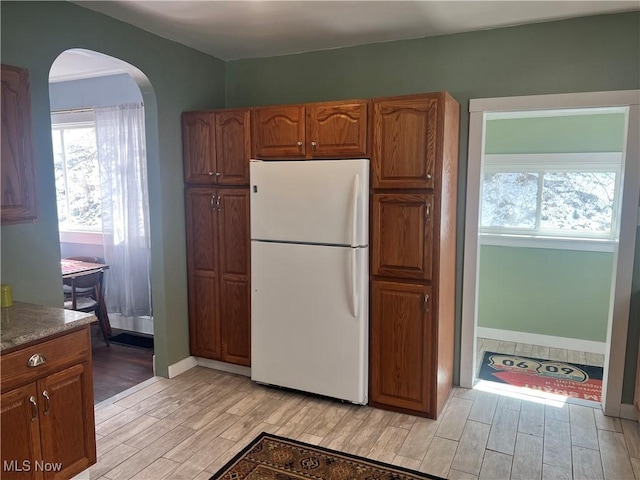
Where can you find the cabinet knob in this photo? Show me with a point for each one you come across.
(314, 145)
(428, 176)
(299, 143)
(425, 305)
(211, 174)
(36, 359)
(218, 174)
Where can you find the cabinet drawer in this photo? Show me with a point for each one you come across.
(59, 352)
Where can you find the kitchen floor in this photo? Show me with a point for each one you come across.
(117, 367)
(191, 425)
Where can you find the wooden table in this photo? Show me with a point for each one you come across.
(73, 268)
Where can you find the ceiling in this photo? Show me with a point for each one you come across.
(231, 30)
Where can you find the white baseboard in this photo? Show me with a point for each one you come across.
(132, 324)
(182, 366)
(223, 366)
(542, 340)
(628, 412)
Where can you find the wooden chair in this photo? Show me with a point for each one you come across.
(86, 296)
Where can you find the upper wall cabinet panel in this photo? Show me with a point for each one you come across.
(233, 146)
(337, 130)
(405, 142)
(18, 186)
(199, 145)
(278, 132)
(217, 147)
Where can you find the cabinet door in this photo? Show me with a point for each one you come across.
(20, 433)
(235, 294)
(18, 187)
(278, 132)
(404, 142)
(402, 240)
(202, 264)
(67, 427)
(233, 146)
(337, 130)
(401, 350)
(199, 147)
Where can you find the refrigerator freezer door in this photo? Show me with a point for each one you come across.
(322, 202)
(309, 320)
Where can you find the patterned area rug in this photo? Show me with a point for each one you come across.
(269, 457)
(550, 376)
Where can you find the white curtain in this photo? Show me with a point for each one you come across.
(122, 158)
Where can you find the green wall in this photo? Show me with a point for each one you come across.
(545, 291)
(563, 134)
(588, 54)
(577, 55)
(562, 293)
(33, 35)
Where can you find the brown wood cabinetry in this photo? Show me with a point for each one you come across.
(216, 147)
(413, 230)
(218, 269)
(406, 140)
(18, 187)
(316, 130)
(47, 411)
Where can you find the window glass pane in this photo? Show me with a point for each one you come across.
(83, 182)
(578, 201)
(509, 200)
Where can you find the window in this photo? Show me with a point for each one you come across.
(571, 195)
(76, 172)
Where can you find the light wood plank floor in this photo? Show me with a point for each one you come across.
(189, 426)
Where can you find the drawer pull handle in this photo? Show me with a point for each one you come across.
(47, 404)
(36, 359)
(34, 408)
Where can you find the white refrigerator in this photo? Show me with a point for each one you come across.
(309, 276)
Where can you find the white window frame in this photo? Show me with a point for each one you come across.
(541, 163)
(67, 120)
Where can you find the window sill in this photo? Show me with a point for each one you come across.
(87, 238)
(555, 243)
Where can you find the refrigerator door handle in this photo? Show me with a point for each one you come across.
(354, 210)
(354, 281)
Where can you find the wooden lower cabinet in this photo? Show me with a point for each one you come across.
(218, 269)
(48, 429)
(401, 346)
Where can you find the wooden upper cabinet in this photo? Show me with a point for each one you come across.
(216, 147)
(405, 142)
(401, 346)
(278, 132)
(18, 186)
(233, 146)
(402, 235)
(337, 130)
(199, 147)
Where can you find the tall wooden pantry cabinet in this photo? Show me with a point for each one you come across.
(413, 244)
(217, 149)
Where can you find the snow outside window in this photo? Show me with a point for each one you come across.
(551, 195)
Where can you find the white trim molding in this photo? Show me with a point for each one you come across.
(181, 366)
(628, 220)
(224, 367)
(543, 340)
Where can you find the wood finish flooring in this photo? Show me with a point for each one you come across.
(118, 367)
(189, 426)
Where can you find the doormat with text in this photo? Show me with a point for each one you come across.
(549, 376)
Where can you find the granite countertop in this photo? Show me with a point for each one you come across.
(25, 322)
